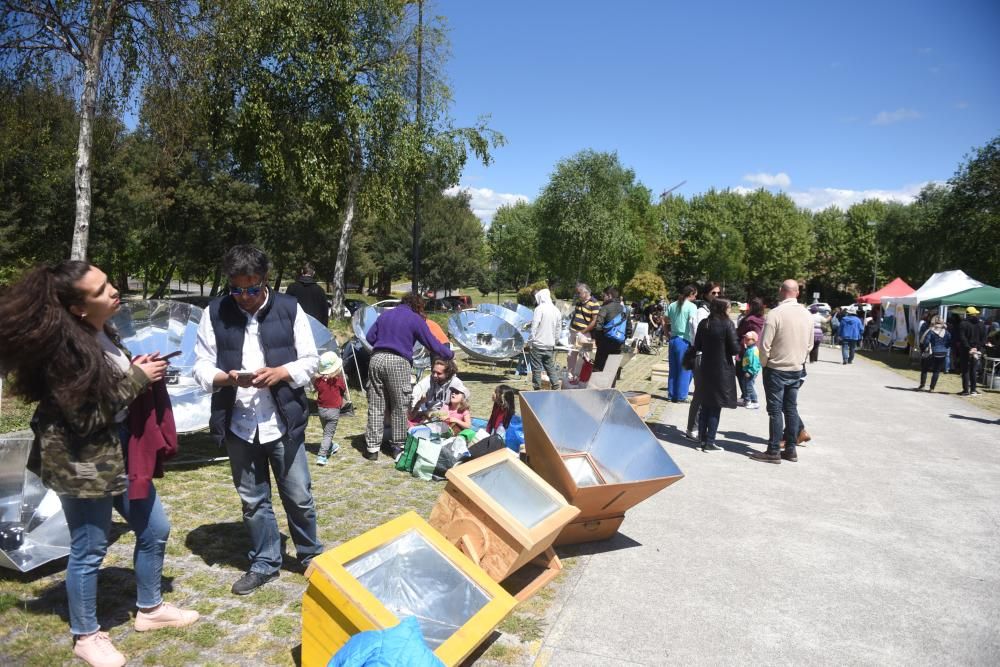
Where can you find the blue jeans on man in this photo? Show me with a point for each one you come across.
(781, 389)
(251, 464)
(89, 522)
(847, 348)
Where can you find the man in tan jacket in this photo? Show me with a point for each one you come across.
(784, 346)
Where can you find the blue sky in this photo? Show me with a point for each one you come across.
(829, 102)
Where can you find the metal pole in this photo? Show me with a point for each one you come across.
(415, 278)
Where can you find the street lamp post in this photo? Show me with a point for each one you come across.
(874, 225)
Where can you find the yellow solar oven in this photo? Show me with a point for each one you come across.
(595, 450)
(402, 568)
(503, 516)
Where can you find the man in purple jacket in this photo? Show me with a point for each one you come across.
(392, 338)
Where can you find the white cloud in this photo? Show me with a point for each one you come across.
(890, 117)
(780, 180)
(485, 201)
(817, 199)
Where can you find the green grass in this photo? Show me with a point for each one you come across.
(207, 550)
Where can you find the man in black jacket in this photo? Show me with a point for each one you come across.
(311, 296)
(970, 345)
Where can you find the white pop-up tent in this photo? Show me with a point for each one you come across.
(941, 284)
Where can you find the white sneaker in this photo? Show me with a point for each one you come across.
(98, 651)
(753, 406)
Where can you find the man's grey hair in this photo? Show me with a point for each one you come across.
(308, 269)
(585, 288)
(245, 260)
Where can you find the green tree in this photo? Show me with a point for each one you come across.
(592, 218)
(777, 238)
(103, 46)
(972, 215)
(452, 252)
(644, 285)
(866, 228)
(513, 245)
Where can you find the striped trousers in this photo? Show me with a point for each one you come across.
(388, 387)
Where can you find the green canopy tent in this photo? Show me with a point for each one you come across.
(985, 296)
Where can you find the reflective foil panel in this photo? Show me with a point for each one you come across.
(32, 526)
(410, 577)
(516, 493)
(363, 319)
(486, 336)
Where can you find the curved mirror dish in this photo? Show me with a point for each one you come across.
(485, 336)
(363, 319)
(516, 493)
(165, 326)
(33, 528)
(601, 423)
(410, 577)
(507, 315)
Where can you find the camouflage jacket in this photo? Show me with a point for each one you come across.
(79, 452)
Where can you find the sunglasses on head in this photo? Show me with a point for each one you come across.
(253, 290)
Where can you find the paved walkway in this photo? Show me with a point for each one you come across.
(880, 546)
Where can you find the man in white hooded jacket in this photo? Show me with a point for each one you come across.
(546, 326)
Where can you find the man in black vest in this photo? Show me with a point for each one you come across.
(255, 351)
(311, 296)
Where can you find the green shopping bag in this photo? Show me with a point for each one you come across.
(409, 455)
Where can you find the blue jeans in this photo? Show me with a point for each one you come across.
(781, 389)
(543, 357)
(747, 387)
(847, 348)
(708, 423)
(251, 464)
(679, 381)
(89, 521)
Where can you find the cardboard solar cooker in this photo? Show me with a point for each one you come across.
(595, 450)
(401, 568)
(503, 516)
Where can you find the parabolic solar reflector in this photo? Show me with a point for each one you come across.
(165, 326)
(510, 316)
(32, 526)
(363, 319)
(485, 336)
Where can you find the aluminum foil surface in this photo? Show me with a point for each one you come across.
(33, 528)
(484, 335)
(516, 492)
(363, 319)
(601, 423)
(410, 577)
(165, 326)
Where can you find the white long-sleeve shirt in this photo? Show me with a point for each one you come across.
(254, 411)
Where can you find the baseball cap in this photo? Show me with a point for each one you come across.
(971, 310)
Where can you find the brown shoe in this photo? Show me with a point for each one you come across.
(766, 457)
(804, 436)
(790, 456)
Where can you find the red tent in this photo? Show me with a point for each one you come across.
(897, 287)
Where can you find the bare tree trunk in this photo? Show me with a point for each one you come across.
(277, 279)
(84, 148)
(165, 283)
(345, 241)
(216, 279)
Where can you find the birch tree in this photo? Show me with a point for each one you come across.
(101, 46)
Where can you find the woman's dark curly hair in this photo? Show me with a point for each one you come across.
(46, 349)
(414, 301)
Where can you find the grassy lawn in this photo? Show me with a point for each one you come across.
(207, 550)
(950, 383)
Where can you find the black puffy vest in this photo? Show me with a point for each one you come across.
(277, 335)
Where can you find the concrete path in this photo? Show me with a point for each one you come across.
(880, 546)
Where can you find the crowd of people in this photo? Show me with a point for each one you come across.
(102, 433)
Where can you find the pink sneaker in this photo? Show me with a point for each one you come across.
(98, 651)
(165, 616)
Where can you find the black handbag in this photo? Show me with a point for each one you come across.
(688, 360)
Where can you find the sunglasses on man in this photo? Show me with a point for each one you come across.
(253, 290)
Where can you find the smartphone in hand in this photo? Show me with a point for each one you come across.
(171, 355)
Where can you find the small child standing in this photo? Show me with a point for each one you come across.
(330, 390)
(749, 369)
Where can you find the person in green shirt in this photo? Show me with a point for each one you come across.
(681, 314)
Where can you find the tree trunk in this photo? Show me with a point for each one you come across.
(277, 279)
(165, 283)
(216, 279)
(337, 303)
(84, 148)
